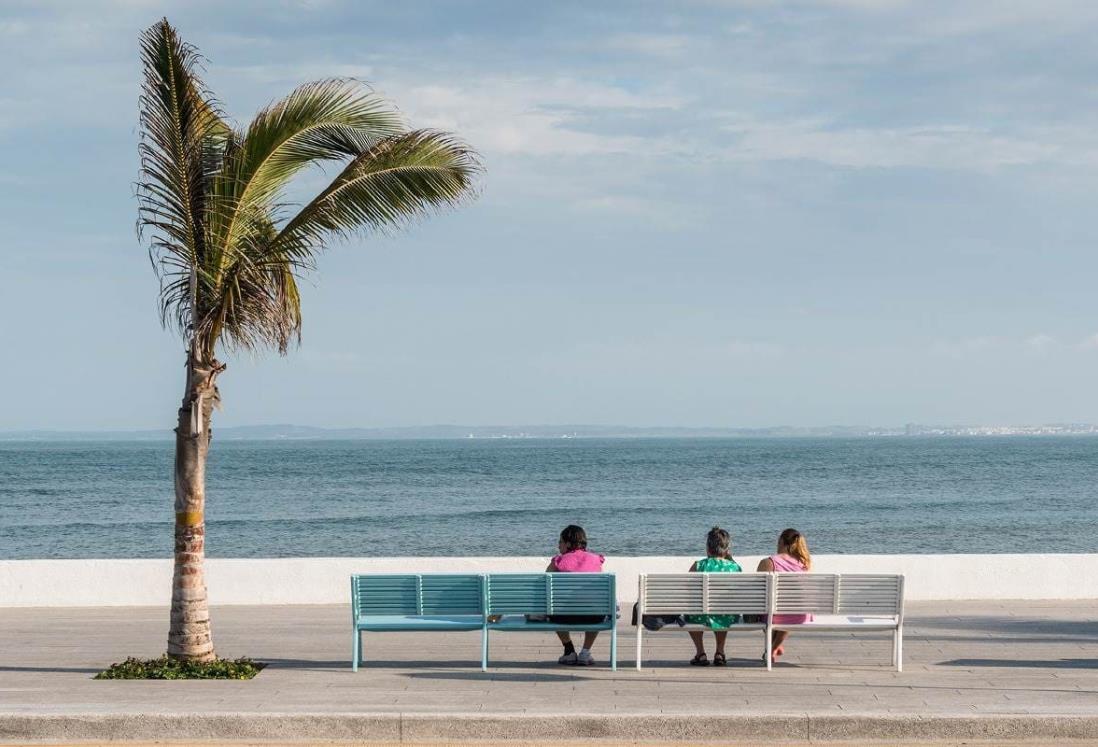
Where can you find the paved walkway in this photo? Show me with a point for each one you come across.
(971, 671)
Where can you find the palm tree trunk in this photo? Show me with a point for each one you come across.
(189, 632)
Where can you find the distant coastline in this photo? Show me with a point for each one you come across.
(303, 432)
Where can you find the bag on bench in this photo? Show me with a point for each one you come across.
(656, 622)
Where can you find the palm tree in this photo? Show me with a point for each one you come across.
(229, 248)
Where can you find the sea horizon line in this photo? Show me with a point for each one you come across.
(556, 431)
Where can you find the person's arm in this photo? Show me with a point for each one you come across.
(694, 567)
(551, 568)
(766, 565)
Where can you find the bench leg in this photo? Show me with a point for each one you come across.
(769, 643)
(356, 650)
(614, 649)
(898, 649)
(639, 629)
(484, 649)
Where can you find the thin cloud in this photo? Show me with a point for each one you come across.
(953, 147)
(1041, 342)
(13, 28)
(967, 346)
(528, 115)
(653, 212)
(656, 45)
(1006, 346)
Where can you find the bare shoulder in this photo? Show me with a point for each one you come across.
(766, 565)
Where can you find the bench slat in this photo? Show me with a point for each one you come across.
(704, 593)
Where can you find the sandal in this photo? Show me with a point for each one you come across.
(701, 660)
(718, 660)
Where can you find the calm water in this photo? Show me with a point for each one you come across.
(635, 497)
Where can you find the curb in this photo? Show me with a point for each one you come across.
(405, 727)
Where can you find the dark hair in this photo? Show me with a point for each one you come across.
(574, 537)
(718, 543)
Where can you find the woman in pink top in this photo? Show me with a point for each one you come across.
(792, 557)
(574, 558)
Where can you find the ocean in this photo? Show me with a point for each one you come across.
(281, 498)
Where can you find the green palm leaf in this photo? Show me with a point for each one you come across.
(182, 140)
(322, 121)
(385, 186)
(213, 199)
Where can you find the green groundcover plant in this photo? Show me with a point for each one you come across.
(166, 668)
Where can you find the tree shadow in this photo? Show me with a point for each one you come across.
(317, 664)
(58, 670)
(736, 662)
(329, 665)
(491, 676)
(1024, 663)
(1008, 629)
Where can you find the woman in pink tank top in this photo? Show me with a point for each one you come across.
(575, 558)
(792, 557)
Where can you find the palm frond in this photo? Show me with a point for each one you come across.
(257, 302)
(395, 181)
(182, 137)
(327, 120)
(211, 198)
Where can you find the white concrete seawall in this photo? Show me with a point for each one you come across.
(108, 583)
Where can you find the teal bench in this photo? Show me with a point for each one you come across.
(424, 602)
(455, 602)
(516, 595)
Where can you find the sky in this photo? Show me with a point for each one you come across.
(707, 212)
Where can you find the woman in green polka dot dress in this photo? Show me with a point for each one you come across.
(718, 548)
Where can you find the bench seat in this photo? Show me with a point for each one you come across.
(519, 622)
(382, 623)
(702, 594)
(513, 596)
(842, 622)
(849, 602)
(730, 628)
(440, 602)
(396, 602)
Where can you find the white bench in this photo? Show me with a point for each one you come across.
(702, 594)
(847, 602)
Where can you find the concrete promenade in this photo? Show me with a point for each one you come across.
(973, 671)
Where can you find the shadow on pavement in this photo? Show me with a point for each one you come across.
(1024, 663)
(78, 670)
(491, 676)
(1005, 629)
(322, 665)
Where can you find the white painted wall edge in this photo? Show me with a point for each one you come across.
(96, 583)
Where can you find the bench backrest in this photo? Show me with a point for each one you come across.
(871, 594)
(705, 593)
(838, 594)
(417, 594)
(550, 593)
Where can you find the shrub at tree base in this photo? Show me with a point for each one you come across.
(174, 669)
